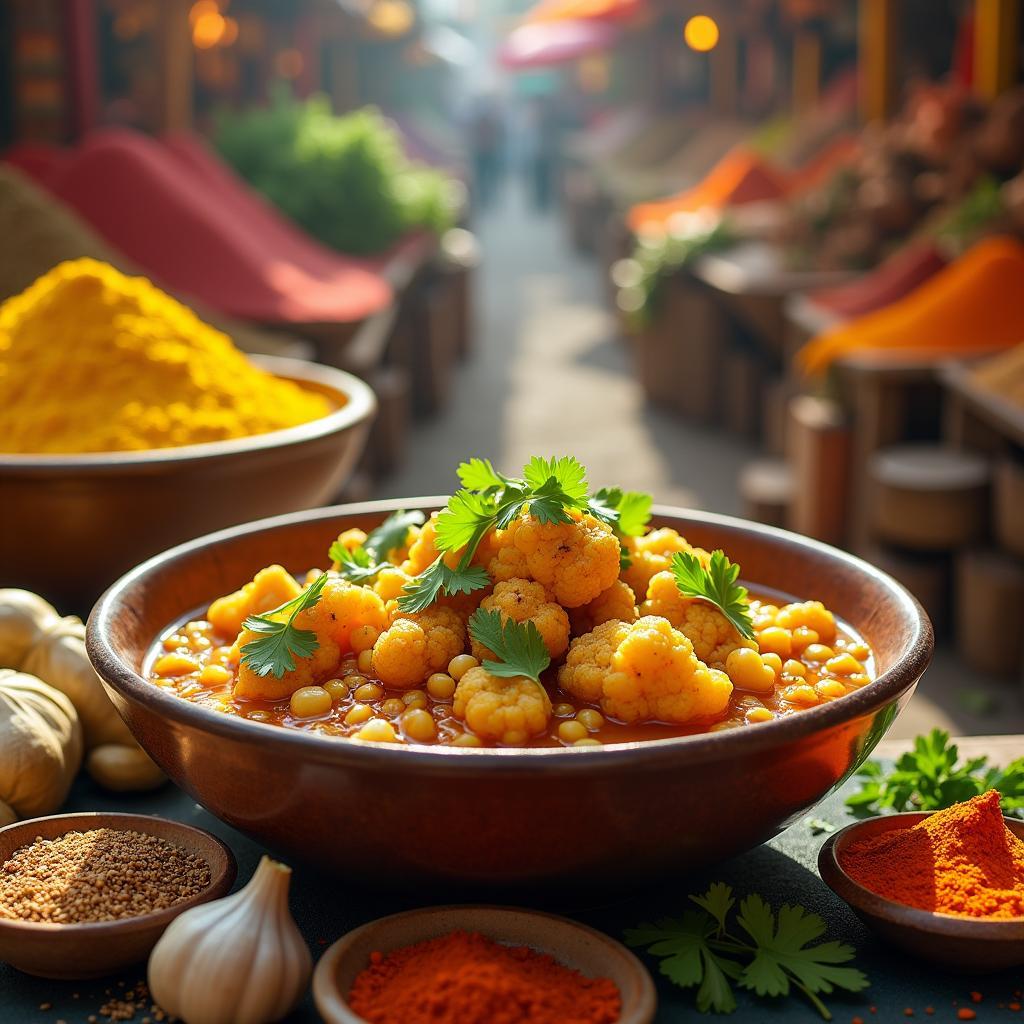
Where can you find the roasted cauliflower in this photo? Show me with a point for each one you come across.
(526, 601)
(414, 646)
(652, 554)
(713, 636)
(343, 607)
(268, 589)
(617, 602)
(575, 561)
(644, 671)
(508, 711)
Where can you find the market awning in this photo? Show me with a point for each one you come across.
(533, 46)
(582, 10)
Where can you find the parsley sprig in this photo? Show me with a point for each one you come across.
(549, 490)
(363, 563)
(769, 955)
(281, 641)
(715, 584)
(518, 646)
(931, 777)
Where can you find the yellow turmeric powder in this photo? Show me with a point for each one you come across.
(94, 361)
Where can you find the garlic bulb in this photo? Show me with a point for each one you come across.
(59, 657)
(24, 618)
(123, 768)
(238, 960)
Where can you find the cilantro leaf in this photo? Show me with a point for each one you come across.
(467, 515)
(480, 475)
(565, 476)
(688, 958)
(930, 777)
(280, 642)
(356, 565)
(698, 950)
(715, 584)
(626, 512)
(518, 646)
(783, 955)
(438, 579)
(392, 534)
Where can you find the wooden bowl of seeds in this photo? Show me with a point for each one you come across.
(83, 895)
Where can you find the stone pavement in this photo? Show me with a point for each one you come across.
(550, 376)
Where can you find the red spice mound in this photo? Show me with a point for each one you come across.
(963, 860)
(465, 978)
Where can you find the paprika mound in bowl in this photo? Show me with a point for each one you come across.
(946, 886)
(546, 966)
(469, 815)
(73, 522)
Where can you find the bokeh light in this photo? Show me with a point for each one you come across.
(701, 33)
(391, 17)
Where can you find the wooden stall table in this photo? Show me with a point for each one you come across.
(783, 870)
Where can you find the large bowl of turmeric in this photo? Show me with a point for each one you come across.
(300, 678)
(127, 425)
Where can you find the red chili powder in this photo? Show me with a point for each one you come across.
(963, 860)
(466, 978)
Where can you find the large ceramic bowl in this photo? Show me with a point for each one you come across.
(505, 815)
(73, 523)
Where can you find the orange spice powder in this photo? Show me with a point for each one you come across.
(963, 861)
(466, 978)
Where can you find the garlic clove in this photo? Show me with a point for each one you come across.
(238, 960)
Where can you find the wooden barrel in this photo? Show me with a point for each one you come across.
(990, 611)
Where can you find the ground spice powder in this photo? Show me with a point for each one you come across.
(963, 861)
(465, 978)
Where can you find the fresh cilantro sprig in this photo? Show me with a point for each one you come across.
(626, 512)
(931, 777)
(547, 490)
(518, 646)
(770, 954)
(281, 641)
(363, 563)
(715, 584)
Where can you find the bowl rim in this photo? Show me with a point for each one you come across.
(902, 915)
(506, 760)
(326, 992)
(359, 404)
(219, 884)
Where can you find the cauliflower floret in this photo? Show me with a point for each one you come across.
(501, 558)
(526, 601)
(390, 583)
(350, 540)
(812, 614)
(414, 646)
(652, 554)
(644, 671)
(713, 636)
(320, 665)
(509, 711)
(575, 561)
(269, 588)
(343, 607)
(617, 602)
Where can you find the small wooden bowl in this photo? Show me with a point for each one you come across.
(90, 950)
(575, 945)
(965, 943)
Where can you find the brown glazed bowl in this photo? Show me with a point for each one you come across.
(73, 523)
(512, 816)
(97, 948)
(964, 943)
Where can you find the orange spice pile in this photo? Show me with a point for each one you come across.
(465, 978)
(963, 861)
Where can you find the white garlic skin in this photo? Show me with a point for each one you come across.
(238, 960)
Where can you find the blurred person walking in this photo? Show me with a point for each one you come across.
(487, 142)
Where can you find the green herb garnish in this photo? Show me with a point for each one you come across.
(715, 584)
(275, 651)
(518, 646)
(819, 826)
(626, 512)
(363, 563)
(548, 489)
(930, 778)
(700, 950)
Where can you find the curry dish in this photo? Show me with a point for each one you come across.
(525, 613)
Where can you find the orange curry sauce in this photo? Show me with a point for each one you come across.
(210, 683)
